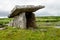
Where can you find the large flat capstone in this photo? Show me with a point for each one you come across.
(24, 8)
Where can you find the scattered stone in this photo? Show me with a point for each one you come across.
(43, 30)
(2, 28)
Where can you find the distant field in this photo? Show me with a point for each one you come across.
(5, 20)
(48, 21)
(45, 21)
(46, 30)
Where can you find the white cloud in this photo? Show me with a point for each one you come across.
(9, 4)
(52, 7)
(3, 17)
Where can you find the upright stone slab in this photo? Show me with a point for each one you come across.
(19, 21)
(24, 16)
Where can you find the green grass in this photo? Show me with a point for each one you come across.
(26, 34)
(42, 33)
(5, 20)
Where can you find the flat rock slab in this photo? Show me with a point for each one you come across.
(2, 28)
(24, 8)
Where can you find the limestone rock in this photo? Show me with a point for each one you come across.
(24, 16)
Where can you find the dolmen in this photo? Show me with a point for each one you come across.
(23, 16)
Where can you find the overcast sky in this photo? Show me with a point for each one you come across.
(52, 7)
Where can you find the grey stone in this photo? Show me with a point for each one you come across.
(24, 16)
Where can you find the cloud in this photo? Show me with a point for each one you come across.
(4, 13)
(52, 7)
(7, 5)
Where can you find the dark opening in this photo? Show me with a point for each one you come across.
(30, 19)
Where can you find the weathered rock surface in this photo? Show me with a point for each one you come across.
(19, 21)
(24, 16)
(24, 8)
